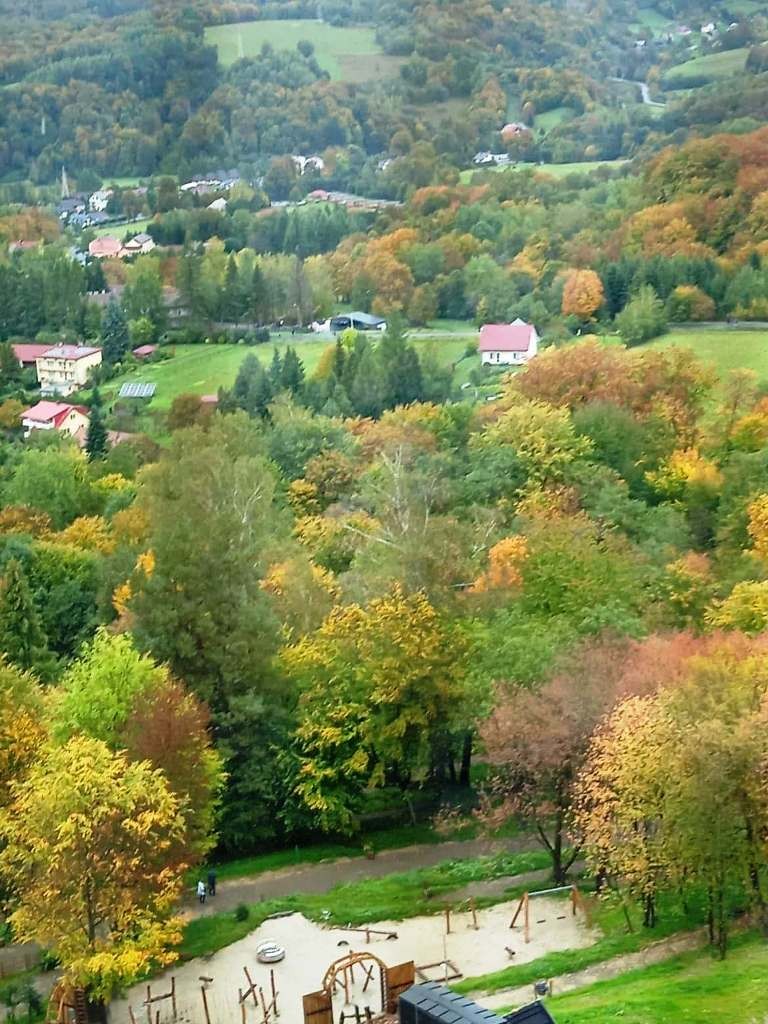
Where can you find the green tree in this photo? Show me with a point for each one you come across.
(115, 339)
(52, 480)
(643, 317)
(292, 372)
(22, 639)
(97, 440)
(10, 371)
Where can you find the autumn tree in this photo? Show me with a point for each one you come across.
(583, 294)
(22, 732)
(398, 695)
(86, 844)
(536, 743)
(116, 695)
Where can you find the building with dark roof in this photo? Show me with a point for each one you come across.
(360, 322)
(434, 1003)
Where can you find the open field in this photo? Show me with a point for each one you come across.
(555, 170)
(712, 67)
(203, 369)
(552, 118)
(692, 987)
(726, 349)
(347, 54)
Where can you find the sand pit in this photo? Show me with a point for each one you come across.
(311, 948)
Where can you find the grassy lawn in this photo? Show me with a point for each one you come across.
(692, 987)
(552, 118)
(555, 170)
(120, 230)
(726, 350)
(347, 54)
(393, 897)
(203, 369)
(713, 66)
(609, 918)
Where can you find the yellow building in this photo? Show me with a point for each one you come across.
(65, 368)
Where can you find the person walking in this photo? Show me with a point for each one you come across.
(211, 883)
(201, 891)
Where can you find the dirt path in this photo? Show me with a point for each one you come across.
(653, 954)
(322, 877)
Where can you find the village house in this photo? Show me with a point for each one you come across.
(65, 368)
(144, 352)
(67, 419)
(105, 248)
(28, 355)
(100, 199)
(140, 245)
(508, 344)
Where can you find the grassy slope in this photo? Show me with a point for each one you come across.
(556, 170)
(726, 350)
(347, 54)
(616, 940)
(693, 988)
(714, 65)
(202, 369)
(121, 230)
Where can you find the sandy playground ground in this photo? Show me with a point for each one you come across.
(311, 948)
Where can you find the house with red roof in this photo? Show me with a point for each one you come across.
(68, 419)
(66, 368)
(105, 248)
(28, 355)
(508, 344)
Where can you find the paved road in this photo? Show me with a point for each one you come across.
(316, 878)
(645, 92)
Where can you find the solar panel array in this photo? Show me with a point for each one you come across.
(137, 390)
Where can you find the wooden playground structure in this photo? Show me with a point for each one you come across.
(524, 907)
(340, 976)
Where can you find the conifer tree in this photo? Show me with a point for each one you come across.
(22, 639)
(96, 442)
(115, 339)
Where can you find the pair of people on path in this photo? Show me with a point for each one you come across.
(202, 891)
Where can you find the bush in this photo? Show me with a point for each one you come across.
(687, 302)
(242, 912)
(642, 318)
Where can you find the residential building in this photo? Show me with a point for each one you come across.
(100, 199)
(67, 419)
(105, 248)
(360, 322)
(28, 355)
(144, 351)
(508, 344)
(139, 245)
(65, 368)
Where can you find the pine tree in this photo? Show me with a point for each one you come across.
(9, 364)
(276, 371)
(22, 639)
(367, 393)
(292, 376)
(96, 442)
(258, 296)
(114, 334)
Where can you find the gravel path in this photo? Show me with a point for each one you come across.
(321, 877)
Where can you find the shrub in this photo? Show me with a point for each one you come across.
(242, 912)
(687, 302)
(642, 318)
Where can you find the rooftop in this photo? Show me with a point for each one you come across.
(45, 412)
(70, 352)
(514, 337)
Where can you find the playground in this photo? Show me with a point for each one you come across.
(337, 974)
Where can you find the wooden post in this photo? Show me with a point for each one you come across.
(527, 922)
(264, 1009)
(130, 1015)
(473, 908)
(149, 1003)
(157, 1017)
(252, 987)
(274, 992)
(367, 936)
(346, 987)
(205, 1004)
(573, 901)
(242, 1007)
(519, 907)
(173, 995)
(447, 920)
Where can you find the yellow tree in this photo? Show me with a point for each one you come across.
(86, 855)
(583, 294)
(22, 732)
(398, 694)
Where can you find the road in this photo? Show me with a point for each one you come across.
(645, 92)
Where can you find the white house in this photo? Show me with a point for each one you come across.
(139, 245)
(68, 419)
(65, 368)
(508, 344)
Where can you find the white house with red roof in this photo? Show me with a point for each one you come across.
(28, 355)
(508, 344)
(68, 419)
